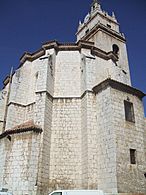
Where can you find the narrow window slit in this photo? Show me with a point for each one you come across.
(129, 111)
(132, 156)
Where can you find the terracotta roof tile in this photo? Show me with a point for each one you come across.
(28, 126)
(25, 125)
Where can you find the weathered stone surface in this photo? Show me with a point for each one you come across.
(85, 141)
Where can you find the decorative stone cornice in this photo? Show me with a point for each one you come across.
(57, 98)
(31, 57)
(21, 105)
(119, 86)
(67, 47)
(105, 55)
(104, 28)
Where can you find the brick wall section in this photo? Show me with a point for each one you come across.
(67, 74)
(89, 142)
(20, 160)
(65, 158)
(116, 137)
(79, 146)
(43, 116)
(39, 119)
(106, 143)
(22, 96)
(104, 41)
(92, 141)
(91, 73)
(44, 163)
(94, 70)
(2, 161)
(45, 78)
(84, 142)
(30, 78)
(16, 116)
(51, 71)
(129, 135)
(22, 85)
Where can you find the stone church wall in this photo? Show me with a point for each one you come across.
(65, 158)
(19, 160)
(85, 140)
(3, 99)
(21, 86)
(29, 79)
(22, 96)
(106, 143)
(104, 42)
(2, 161)
(88, 72)
(94, 70)
(16, 115)
(89, 142)
(45, 67)
(129, 135)
(67, 74)
(44, 118)
(116, 137)
(92, 141)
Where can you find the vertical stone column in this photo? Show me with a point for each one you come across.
(92, 141)
(43, 117)
(106, 143)
(84, 138)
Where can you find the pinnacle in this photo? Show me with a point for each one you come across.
(95, 5)
(96, 1)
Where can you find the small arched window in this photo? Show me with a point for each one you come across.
(115, 49)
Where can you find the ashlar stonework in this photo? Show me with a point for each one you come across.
(63, 123)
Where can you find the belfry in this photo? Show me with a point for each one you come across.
(70, 119)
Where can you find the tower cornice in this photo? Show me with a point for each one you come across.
(102, 27)
(119, 86)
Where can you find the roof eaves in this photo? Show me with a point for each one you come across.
(34, 129)
(119, 86)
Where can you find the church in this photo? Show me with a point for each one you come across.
(70, 119)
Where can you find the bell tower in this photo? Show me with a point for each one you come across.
(103, 29)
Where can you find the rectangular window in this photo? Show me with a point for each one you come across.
(129, 111)
(132, 156)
